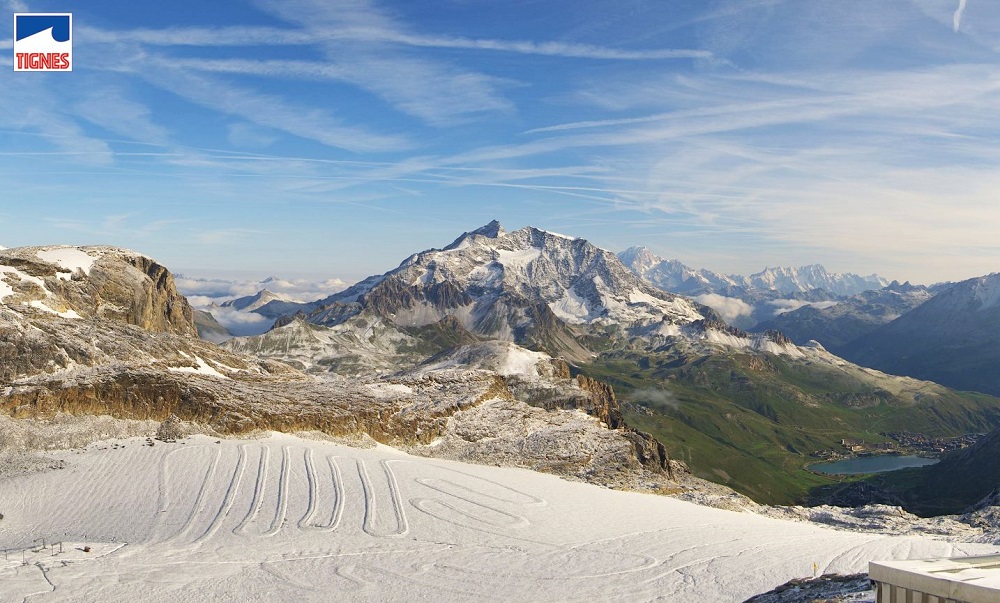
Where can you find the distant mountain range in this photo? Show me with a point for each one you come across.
(849, 318)
(951, 339)
(673, 276)
(227, 308)
(539, 289)
(266, 303)
(746, 301)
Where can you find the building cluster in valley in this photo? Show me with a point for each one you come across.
(899, 442)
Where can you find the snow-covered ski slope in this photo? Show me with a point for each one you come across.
(289, 519)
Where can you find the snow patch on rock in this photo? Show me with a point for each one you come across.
(519, 258)
(45, 308)
(203, 368)
(572, 308)
(70, 259)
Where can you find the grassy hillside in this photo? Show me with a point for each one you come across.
(750, 421)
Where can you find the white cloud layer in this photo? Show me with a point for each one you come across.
(729, 308)
(202, 291)
(784, 306)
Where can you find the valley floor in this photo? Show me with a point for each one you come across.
(284, 518)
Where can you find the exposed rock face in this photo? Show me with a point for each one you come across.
(363, 345)
(103, 282)
(535, 379)
(828, 588)
(401, 415)
(604, 404)
(569, 443)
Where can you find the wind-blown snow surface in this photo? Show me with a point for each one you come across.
(289, 519)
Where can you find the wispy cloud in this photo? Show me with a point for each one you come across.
(553, 49)
(113, 227)
(435, 91)
(273, 112)
(28, 105)
(199, 36)
(956, 19)
(275, 36)
(830, 132)
(109, 108)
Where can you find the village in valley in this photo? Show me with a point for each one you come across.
(899, 442)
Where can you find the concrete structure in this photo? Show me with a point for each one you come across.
(954, 580)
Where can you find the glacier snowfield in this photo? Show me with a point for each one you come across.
(284, 518)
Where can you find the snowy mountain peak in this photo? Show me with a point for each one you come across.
(986, 291)
(640, 259)
(813, 276)
(527, 286)
(492, 230)
(672, 275)
(252, 302)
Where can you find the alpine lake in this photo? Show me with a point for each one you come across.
(872, 464)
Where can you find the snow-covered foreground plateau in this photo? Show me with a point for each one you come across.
(289, 519)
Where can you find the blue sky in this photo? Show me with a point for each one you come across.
(332, 138)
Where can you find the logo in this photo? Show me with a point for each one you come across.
(43, 42)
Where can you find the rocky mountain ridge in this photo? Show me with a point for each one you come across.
(266, 303)
(541, 290)
(95, 282)
(103, 331)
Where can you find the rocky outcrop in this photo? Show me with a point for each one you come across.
(603, 405)
(828, 588)
(117, 284)
(572, 444)
(409, 414)
(598, 400)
